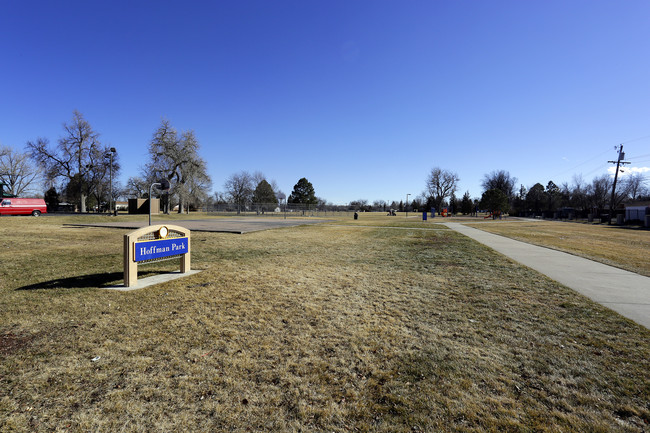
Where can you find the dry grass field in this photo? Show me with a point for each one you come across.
(625, 248)
(341, 327)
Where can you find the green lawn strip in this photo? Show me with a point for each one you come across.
(316, 329)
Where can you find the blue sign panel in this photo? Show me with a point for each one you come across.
(157, 249)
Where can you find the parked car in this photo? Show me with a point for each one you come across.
(23, 206)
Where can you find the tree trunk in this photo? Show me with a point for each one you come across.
(82, 205)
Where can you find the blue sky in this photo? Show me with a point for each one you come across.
(363, 98)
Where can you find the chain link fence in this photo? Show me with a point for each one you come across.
(277, 210)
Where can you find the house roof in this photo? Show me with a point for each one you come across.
(637, 204)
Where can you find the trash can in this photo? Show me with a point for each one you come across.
(356, 215)
(424, 216)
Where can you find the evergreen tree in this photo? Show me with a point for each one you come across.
(519, 202)
(453, 204)
(52, 199)
(535, 197)
(552, 193)
(495, 201)
(466, 205)
(303, 193)
(264, 194)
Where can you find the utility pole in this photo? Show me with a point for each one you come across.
(406, 205)
(619, 162)
(110, 193)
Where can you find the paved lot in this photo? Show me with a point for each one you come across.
(223, 225)
(625, 292)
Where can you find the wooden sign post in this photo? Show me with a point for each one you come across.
(153, 244)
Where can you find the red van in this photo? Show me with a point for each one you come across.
(23, 206)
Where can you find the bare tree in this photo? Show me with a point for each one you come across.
(440, 185)
(564, 195)
(220, 197)
(322, 204)
(601, 188)
(137, 187)
(77, 152)
(257, 177)
(17, 171)
(379, 205)
(579, 193)
(194, 191)
(635, 186)
(99, 178)
(176, 158)
(501, 180)
(239, 187)
(275, 186)
(360, 204)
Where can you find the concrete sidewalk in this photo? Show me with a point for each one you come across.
(625, 292)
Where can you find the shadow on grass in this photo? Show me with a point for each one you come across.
(635, 228)
(86, 281)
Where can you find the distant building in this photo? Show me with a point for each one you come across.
(66, 207)
(637, 210)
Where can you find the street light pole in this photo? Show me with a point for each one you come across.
(407, 205)
(110, 191)
(150, 199)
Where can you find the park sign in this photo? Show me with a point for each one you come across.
(152, 244)
(159, 248)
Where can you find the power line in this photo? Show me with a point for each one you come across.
(599, 168)
(636, 139)
(601, 154)
(582, 163)
(640, 156)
